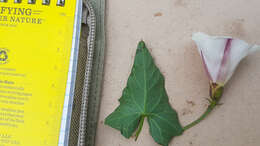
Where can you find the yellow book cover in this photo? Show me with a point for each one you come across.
(36, 41)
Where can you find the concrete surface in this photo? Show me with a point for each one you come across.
(166, 27)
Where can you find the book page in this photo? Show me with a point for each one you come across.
(35, 49)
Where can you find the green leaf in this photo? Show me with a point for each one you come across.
(145, 96)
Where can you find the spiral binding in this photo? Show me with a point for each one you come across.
(17, 1)
(31, 1)
(60, 2)
(44, 2)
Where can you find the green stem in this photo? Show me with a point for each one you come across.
(140, 127)
(203, 116)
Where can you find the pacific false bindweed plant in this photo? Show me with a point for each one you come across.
(220, 56)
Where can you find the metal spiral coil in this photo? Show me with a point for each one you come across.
(60, 3)
(3, 1)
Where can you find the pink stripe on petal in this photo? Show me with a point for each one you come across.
(205, 66)
(222, 74)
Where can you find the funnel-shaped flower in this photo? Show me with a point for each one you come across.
(221, 55)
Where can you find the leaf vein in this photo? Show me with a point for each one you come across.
(156, 125)
(137, 81)
(140, 108)
(123, 116)
(174, 127)
(145, 82)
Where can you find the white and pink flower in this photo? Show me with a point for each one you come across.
(221, 55)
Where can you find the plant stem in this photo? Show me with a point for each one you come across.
(140, 127)
(203, 116)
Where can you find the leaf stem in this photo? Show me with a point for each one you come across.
(140, 127)
(203, 116)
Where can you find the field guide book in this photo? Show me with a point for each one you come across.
(38, 57)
